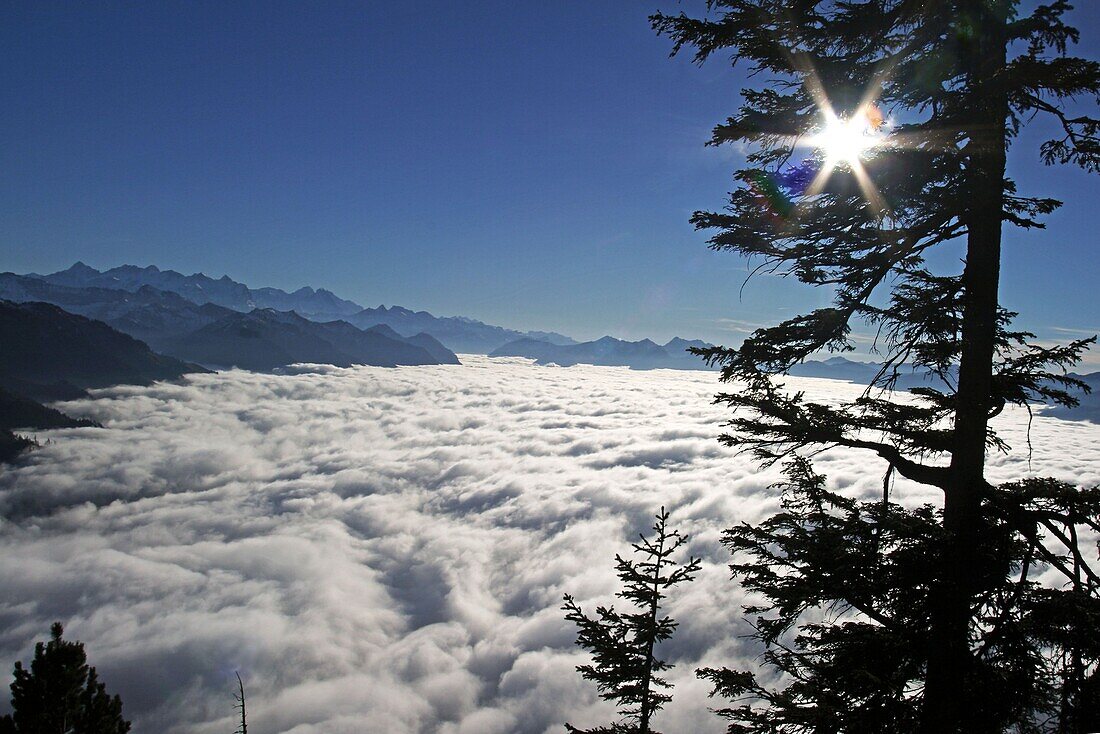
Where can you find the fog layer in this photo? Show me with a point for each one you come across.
(385, 550)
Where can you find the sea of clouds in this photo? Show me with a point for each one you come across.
(385, 550)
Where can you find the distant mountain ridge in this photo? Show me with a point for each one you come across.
(609, 352)
(199, 288)
(457, 333)
(862, 373)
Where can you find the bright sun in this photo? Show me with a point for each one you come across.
(846, 140)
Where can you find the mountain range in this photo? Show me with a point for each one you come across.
(222, 322)
(646, 354)
(862, 373)
(457, 333)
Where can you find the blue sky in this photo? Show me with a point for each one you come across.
(528, 164)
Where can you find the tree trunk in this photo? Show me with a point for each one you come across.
(646, 707)
(946, 696)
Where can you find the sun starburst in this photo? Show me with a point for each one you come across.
(844, 141)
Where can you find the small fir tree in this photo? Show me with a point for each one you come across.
(624, 667)
(61, 694)
(242, 728)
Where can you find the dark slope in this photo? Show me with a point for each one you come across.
(425, 341)
(432, 346)
(43, 392)
(42, 344)
(372, 347)
(47, 353)
(17, 411)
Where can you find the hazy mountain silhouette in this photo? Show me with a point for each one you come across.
(1089, 409)
(44, 345)
(608, 351)
(863, 373)
(456, 332)
(99, 337)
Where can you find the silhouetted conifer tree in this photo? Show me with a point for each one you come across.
(939, 88)
(61, 694)
(624, 667)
